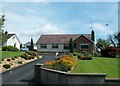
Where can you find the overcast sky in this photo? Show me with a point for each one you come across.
(31, 19)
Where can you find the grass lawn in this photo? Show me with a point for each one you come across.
(9, 54)
(99, 65)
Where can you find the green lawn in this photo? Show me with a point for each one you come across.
(9, 54)
(98, 65)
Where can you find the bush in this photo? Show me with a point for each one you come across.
(6, 66)
(13, 58)
(31, 53)
(109, 52)
(9, 60)
(65, 63)
(9, 48)
(25, 56)
(75, 54)
(95, 54)
(84, 56)
(20, 62)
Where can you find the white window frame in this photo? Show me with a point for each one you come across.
(43, 46)
(57, 46)
(67, 45)
(84, 44)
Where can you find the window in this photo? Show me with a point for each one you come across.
(13, 37)
(54, 45)
(43, 45)
(66, 46)
(84, 46)
(14, 44)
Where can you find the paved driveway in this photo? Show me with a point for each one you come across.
(24, 74)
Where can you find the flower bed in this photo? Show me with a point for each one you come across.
(65, 63)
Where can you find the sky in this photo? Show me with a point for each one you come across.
(32, 19)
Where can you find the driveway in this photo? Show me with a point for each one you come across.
(24, 74)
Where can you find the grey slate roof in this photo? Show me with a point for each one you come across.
(9, 35)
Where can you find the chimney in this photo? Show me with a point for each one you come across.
(6, 33)
(92, 35)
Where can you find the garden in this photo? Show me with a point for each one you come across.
(12, 57)
(84, 62)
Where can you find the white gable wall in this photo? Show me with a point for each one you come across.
(13, 40)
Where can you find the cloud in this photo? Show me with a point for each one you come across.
(28, 25)
(46, 29)
(102, 29)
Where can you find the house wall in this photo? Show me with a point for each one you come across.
(84, 40)
(12, 40)
(50, 49)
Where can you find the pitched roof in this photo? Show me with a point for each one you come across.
(9, 35)
(61, 38)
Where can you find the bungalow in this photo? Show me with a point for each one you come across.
(60, 42)
(12, 40)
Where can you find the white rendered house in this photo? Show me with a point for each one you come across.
(12, 40)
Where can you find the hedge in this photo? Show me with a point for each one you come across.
(9, 48)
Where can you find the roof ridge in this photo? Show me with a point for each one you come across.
(64, 34)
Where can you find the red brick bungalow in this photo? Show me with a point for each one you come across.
(60, 42)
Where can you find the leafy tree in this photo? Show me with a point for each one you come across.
(71, 46)
(31, 45)
(102, 43)
(117, 37)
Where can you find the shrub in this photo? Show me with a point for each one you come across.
(20, 62)
(13, 58)
(9, 48)
(6, 66)
(31, 53)
(8, 59)
(95, 54)
(25, 56)
(84, 56)
(109, 52)
(65, 63)
(75, 54)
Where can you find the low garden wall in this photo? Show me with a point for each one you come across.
(49, 76)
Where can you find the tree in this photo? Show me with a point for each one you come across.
(31, 45)
(102, 43)
(112, 40)
(2, 35)
(71, 45)
(20, 46)
(117, 37)
(2, 21)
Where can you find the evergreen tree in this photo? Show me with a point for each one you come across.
(31, 45)
(20, 46)
(71, 45)
(3, 37)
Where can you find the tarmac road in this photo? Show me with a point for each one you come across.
(23, 75)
